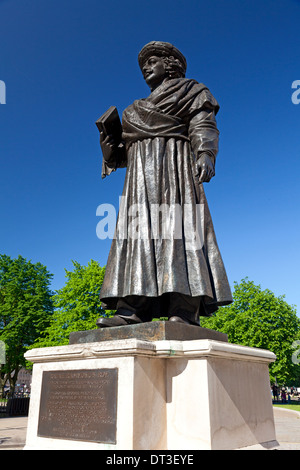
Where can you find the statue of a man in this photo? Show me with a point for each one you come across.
(169, 146)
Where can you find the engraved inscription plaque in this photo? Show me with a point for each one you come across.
(79, 405)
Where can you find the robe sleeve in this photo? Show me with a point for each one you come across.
(202, 127)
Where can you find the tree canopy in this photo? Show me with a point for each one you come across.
(77, 304)
(258, 318)
(25, 310)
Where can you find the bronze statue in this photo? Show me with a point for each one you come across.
(169, 143)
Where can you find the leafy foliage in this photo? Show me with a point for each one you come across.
(77, 304)
(258, 318)
(25, 310)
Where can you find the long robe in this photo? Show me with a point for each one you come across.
(177, 251)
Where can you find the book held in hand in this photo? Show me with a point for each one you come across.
(109, 123)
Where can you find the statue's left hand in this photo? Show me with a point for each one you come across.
(205, 168)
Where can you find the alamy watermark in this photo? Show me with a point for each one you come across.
(153, 221)
(296, 353)
(2, 92)
(296, 94)
(2, 353)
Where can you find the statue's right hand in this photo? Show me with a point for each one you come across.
(106, 139)
(107, 145)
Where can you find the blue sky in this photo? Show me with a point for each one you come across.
(64, 62)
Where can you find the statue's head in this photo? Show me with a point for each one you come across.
(159, 60)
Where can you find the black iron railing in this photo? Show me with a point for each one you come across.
(14, 406)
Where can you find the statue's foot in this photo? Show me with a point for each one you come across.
(117, 320)
(179, 320)
(183, 320)
(113, 321)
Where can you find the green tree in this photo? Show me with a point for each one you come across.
(25, 310)
(77, 304)
(258, 318)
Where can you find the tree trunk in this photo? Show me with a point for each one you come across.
(3, 380)
(13, 381)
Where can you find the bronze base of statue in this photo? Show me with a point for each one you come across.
(174, 329)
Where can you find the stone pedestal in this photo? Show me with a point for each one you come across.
(133, 394)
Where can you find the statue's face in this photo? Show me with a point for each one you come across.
(154, 71)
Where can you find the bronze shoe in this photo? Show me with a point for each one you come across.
(178, 319)
(117, 320)
(104, 322)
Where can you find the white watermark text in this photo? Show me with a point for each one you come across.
(2, 92)
(2, 353)
(296, 94)
(153, 221)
